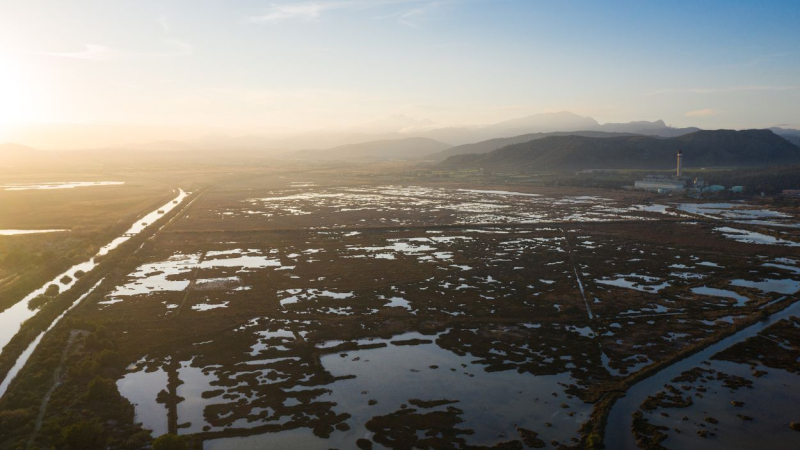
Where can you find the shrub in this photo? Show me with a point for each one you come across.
(171, 442)
(84, 435)
(138, 440)
(101, 389)
(84, 369)
(15, 418)
(52, 290)
(108, 358)
(594, 441)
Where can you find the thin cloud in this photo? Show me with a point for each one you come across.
(707, 112)
(92, 52)
(411, 17)
(314, 10)
(302, 11)
(407, 18)
(766, 58)
(97, 52)
(722, 90)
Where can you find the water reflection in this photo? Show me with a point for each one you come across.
(276, 383)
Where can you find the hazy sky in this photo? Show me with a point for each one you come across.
(283, 65)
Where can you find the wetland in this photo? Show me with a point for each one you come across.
(338, 311)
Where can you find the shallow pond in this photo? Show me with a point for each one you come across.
(57, 185)
(16, 232)
(372, 383)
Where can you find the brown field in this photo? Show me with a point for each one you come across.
(91, 216)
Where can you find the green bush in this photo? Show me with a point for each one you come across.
(52, 290)
(108, 358)
(84, 435)
(84, 368)
(138, 440)
(101, 389)
(171, 442)
(594, 441)
(15, 418)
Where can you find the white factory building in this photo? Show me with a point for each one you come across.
(660, 183)
(664, 183)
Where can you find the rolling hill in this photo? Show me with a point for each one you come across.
(790, 134)
(718, 148)
(494, 144)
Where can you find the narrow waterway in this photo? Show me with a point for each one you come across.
(23, 358)
(618, 435)
(12, 318)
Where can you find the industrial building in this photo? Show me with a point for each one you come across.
(661, 183)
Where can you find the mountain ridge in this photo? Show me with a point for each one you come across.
(714, 148)
(496, 143)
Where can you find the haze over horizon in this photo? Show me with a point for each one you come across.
(82, 74)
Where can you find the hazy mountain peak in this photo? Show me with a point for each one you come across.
(654, 128)
(646, 123)
(552, 121)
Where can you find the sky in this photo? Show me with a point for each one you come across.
(178, 68)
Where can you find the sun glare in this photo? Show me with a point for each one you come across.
(15, 102)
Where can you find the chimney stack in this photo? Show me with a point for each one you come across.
(680, 164)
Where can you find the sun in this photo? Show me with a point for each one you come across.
(16, 105)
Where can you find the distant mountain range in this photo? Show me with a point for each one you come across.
(493, 144)
(547, 141)
(402, 127)
(789, 134)
(655, 128)
(548, 123)
(573, 152)
(408, 148)
(105, 136)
